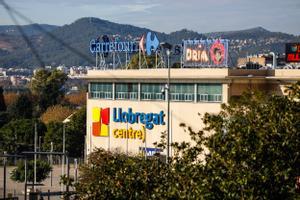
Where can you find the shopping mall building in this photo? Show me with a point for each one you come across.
(128, 109)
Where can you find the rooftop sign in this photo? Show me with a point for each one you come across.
(97, 46)
(292, 52)
(203, 53)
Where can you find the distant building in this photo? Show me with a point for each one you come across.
(260, 60)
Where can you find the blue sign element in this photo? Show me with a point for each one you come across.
(106, 47)
(150, 151)
(149, 119)
(151, 45)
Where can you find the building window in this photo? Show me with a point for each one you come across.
(182, 92)
(126, 91)
(152, 91)
(209, 92)
(101, 90)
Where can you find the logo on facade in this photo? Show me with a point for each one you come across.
(100, 122)
(151, 44)
(217, 52)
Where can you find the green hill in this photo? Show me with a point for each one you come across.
(15, 52)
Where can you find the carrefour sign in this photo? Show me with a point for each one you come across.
(107, 47)
(101, 122)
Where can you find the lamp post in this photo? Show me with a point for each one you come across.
(67, 120)
(168, 48)
(168, 90)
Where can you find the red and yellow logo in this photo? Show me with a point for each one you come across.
(100, 122)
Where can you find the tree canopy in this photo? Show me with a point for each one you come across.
(146, 61)
(21, 108)
(48, 87)
(56, 113)
(18, 135)
(43, 169)
(75, 132)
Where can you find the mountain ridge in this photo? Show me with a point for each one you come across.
(78, 34)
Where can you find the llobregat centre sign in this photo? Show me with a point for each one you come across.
(148, 119)
(101, 123)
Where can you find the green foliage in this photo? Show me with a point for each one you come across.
(75, 132)
(4, 118)
(43, 169)
(2, 101)
(54, 134)
(146, 61)
(253, 153)
(48, 87)
(254, 149)
(21, 108)
(18, 135)
(117, 176)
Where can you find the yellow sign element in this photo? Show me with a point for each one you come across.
(130, 134)
(96, 114)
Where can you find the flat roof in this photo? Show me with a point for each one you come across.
(205, 74)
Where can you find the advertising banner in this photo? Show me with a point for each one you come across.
(205, 53)
(292, 52)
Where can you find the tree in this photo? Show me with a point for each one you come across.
(48, 87)
(2, 101)
(150, 60)
(4, 118)
(254, 151)
(42, 171)
(54, 134)
(77, 99)
(76, 131)
(113, 175)
(10, 98)
(57, 113)
(18, 135)
(21, 108)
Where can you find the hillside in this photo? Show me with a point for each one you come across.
(29, 30)
(15, 52)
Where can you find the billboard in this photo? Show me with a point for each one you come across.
(205, 53)
(292, 52)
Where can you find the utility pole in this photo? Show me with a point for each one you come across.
(168, 48)
(51, 163)
(4, 176)
(168, 89)
(35, 150)
(25, 192)
(63, 157)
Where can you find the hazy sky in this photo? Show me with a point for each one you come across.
(167, 15)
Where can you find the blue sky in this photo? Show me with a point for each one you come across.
(167, 15)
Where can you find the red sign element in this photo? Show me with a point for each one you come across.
(292, 51)
(100, 122)
(217, 52)
(293, 57)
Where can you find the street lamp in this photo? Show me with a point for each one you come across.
(168, 48)
(168, 89)
(67, 120)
